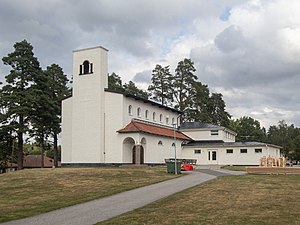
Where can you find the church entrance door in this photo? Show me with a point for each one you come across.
(138, 154)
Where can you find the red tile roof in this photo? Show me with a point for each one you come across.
(137, 126)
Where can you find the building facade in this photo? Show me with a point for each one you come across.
(101, 126)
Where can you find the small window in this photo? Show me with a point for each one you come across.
(167, 120)
(214, 132)
(173, 144)
(243, 150)
(139, 112)
(258, 150)
(173, 121)
(146, 114)
(160, 143)
(229, 151)
(130, 110)
(197, 151)
(160, 118)
(154, 116)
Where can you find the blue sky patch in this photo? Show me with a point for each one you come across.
(226, 14)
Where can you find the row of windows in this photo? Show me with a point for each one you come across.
(160, 143)
(230, 151)
(147, 116)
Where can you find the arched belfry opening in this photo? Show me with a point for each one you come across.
(86, 68)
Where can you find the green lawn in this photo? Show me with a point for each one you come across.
(30, 192)
(228, 200)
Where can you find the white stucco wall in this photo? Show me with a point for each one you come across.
(151, 108)
(113, 123)
(66, 155)
(235, 158)
(155, 153)
(205, 134)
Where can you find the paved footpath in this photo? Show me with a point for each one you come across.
(105, 208)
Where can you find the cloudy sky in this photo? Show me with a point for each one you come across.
(247, 50)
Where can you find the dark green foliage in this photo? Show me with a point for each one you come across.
(161, 88)
(183, 84)
(17, 95)
(248, 129)
(130, 88)
(186, 94)
(115, 83)
(286, 136)
(31, 99)
(216, 110)
(57, 90)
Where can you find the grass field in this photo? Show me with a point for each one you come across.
(30, 192)
(248, 199)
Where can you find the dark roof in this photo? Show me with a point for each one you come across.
(195, 125)
(138, 126)
(138, 98)
(228, 144)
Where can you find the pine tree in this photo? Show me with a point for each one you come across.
(160, 89)
(132, 89)
(217, 112)
(115, 82)
(183, 86)
(199, 104)
(57, 87)
(17, 94)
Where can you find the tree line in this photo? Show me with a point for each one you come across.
(30, 103)
(282, 134)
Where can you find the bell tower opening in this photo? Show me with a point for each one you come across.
(86, 68)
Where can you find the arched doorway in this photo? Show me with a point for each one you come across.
(128, 145)
(138, 154)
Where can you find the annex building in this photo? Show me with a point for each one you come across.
(101, 126)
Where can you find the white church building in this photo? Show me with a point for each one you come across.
(101, 126)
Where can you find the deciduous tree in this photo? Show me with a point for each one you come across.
(248, 129)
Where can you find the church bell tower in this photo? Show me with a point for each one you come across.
(88, 108)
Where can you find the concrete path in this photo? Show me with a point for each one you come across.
(105, 208)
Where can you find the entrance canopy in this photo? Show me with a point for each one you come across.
(138, 126)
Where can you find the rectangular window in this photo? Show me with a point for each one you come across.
(214, 132)
(229, 151)
(243, 150)
(197, 151)
(258, 150)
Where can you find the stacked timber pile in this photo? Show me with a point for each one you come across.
(272, 162)
(271, 165)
